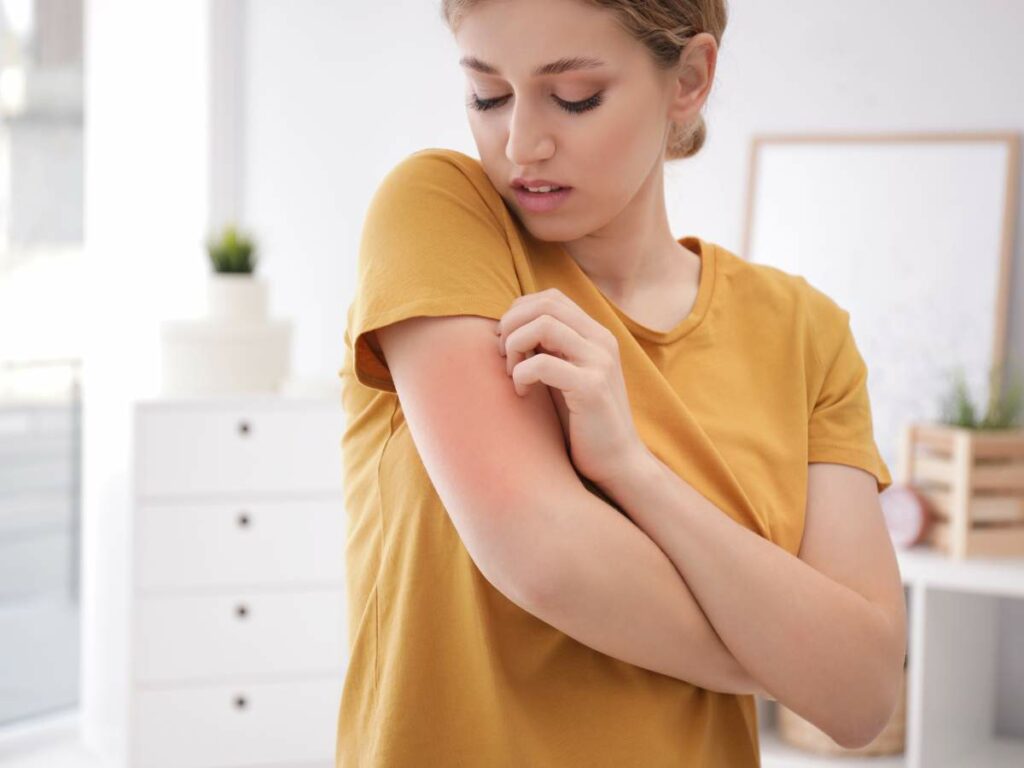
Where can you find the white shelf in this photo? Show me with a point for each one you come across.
(998, 576)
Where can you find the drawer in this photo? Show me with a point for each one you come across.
(274, 724)
(250, 635)
(238, 448)
(248, 545)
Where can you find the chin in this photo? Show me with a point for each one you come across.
(549, 230)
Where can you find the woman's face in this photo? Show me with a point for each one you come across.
(600, 129)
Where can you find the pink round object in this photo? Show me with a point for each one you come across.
(906, 515)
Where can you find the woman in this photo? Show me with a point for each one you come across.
(604, 484)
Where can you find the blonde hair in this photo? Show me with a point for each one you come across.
(664, 27)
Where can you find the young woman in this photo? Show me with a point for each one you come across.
(604, 484)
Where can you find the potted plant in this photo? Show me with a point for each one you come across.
(969, 468)
(1002, 411)
(237, 346)
(234, 292)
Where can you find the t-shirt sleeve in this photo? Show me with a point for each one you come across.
(840, 428)
(431, 245)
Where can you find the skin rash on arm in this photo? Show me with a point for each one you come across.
(501, 468)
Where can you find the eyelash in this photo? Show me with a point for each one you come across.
(573, 107)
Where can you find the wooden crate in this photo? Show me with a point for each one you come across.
(973, 482)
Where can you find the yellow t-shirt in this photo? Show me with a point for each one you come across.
(761, 378)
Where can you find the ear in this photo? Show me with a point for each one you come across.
(693, 78)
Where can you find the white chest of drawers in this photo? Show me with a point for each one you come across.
(237, 636)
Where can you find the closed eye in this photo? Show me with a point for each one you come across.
(574, 107)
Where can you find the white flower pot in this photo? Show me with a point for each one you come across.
(203, 357)
(236, 348)
(236, 297)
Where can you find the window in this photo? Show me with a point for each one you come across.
(41, 223)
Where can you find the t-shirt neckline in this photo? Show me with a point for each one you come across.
(707, 253)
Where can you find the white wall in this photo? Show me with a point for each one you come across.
(338, 92)
(146, 175)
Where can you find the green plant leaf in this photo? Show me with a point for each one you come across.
(1002, 411)
(957, 407)
(232, 251)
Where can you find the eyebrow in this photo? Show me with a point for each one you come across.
(564, 64)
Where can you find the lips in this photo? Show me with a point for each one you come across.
(520, 182)
(541, 202)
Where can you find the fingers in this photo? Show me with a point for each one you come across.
(547, 369)
(552, 337)
(550, 328)
(559, 306)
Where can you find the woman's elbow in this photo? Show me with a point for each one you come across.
(888, 700)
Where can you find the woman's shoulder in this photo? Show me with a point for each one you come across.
(447, 154)
(439, 162)
(764, 291)
(764, 287)
(442, 173)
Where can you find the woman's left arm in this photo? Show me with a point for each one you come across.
(831, 649)
(822, 632)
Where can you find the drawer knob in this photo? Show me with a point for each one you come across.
(244, 427)
(241, 610)
(243, 520)
(240, 702)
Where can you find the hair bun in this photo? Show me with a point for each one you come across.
(686, 141)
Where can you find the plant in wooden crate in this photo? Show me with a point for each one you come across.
(969, 470)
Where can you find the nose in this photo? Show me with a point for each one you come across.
(529, 141)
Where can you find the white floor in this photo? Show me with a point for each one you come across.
(48, 743)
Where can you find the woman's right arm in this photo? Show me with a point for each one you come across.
(500, 466)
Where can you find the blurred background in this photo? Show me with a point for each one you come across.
(134, 131)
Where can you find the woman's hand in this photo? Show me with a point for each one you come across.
(546, 337)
